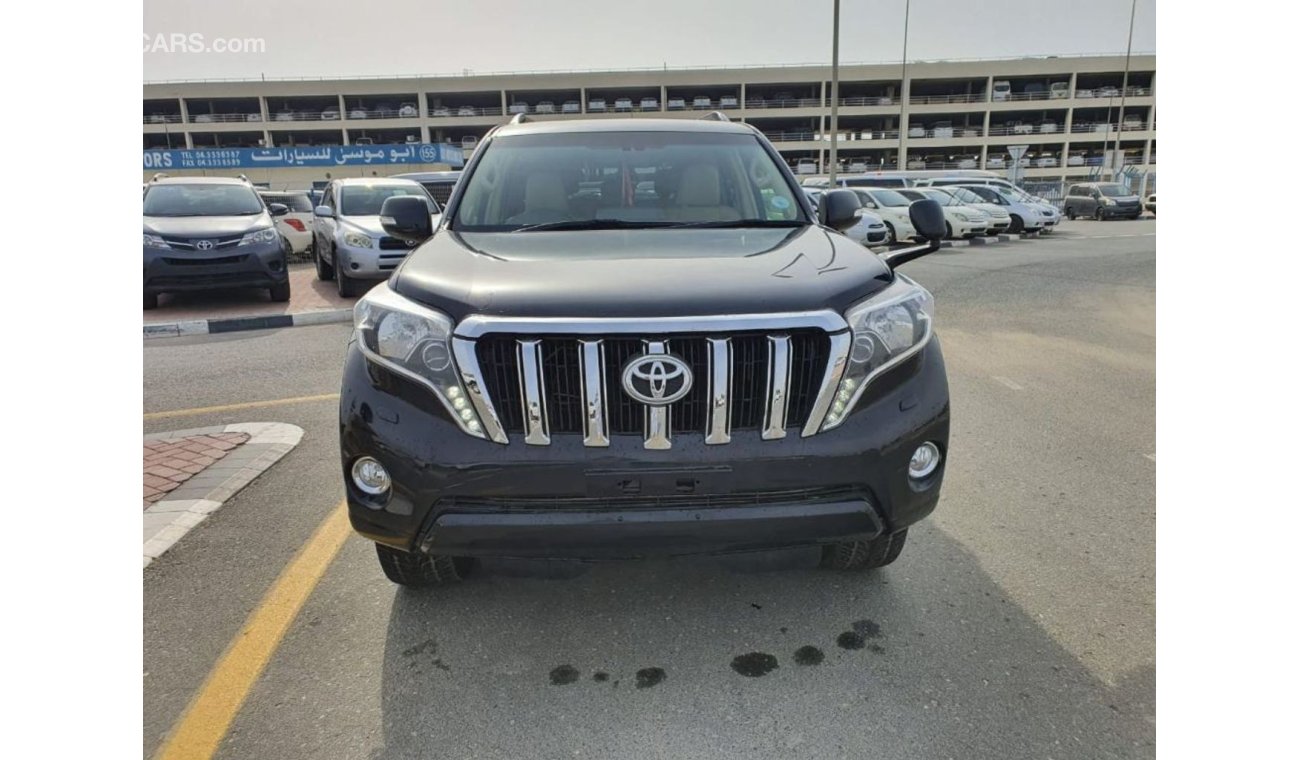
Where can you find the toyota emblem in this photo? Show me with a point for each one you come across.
(657, 379)
(204, 245)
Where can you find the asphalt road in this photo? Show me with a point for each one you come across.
(1019, 622)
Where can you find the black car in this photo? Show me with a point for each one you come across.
(632, 338)
(1101, 200)
(204, 233)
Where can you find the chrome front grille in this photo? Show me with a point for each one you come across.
(539, 386)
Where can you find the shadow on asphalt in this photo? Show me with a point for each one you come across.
(925, 659)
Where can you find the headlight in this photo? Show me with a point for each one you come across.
(414, 341)
(887, 329)
(961, 216)
(154, 241)
(1107, 202)
(357, 240)
(259, 236)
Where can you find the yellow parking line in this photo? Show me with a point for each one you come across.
(244, 405)
(201, 728)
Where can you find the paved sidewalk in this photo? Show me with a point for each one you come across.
(189, 474)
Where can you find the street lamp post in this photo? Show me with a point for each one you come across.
(835, 93)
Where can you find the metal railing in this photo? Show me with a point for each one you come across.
(1108, 129)
(920, 100)
(783, 103)
(224, 118)
(998, 130)
(444, 112)
(876, 100)
(945, 133)
(162, 118)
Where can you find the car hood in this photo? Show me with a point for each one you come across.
(198, 226)
(371, 224)
(640, 273)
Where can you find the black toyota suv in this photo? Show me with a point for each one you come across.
(204, 233)
(637, 337)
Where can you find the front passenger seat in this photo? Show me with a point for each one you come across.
(699, 196)
(545, 200)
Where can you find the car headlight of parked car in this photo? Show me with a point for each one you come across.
(414, 341)
(887, 329)
(961, 216)
(1107, 202)
(266, 235)
(357, 240)
(154, 241)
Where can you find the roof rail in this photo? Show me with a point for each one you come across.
(244, 178)
(157, 176)
(519, 118)
(715, 116)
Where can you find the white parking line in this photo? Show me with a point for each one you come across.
(1012, 384)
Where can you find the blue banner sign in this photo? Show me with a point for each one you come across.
(317, 155)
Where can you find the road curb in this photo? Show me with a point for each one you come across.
(166, 521)
(236, 324)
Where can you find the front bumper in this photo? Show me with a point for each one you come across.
(1121, 212)
(368, 263)
(261, 265)
(459, 495)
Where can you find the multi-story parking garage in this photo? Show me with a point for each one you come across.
(1071, 112)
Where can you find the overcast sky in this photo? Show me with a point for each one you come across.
(326, 38)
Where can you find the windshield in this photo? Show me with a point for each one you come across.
(295, 201)
(989, 195)
(367, 200)
(626, 179)
(944, 199)
(201, 200)
(889, 197)
(965, 196)
(1114, 191)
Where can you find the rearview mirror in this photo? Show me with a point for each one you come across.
(839, 209)
(323, 211)
(277, 209)
(927, 218)
(406, 217)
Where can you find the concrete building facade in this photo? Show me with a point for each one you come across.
(932, 115)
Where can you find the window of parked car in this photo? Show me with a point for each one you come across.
(201, 200)
(965, 196)
(625, 178)
(367, 200)
(1114, 191)
(886, 197)
(988, 194)
(295, 201)
(944, 199)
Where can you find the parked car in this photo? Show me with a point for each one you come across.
(468, 111)
(1084, 93)
(649, 104)
(623, 104)
(728, 101)
(440, 111)
(962, 221)
(892, 207)
(517, 107)
(676, 104)
(408, 111)
(970, 132)
(884, 100)
(203, 118)
(450, 376)
(942, 130)
(995, 162)
(1108, 92)
(1001, 90)
(284, 114)
(857, 166)
(916, 130)
(1133, 121)
(701, 101)
(349, 240)
(1058, 90)
(359, 112)
(1102, 200)
(916, 163)
(205, 233)
(571, 106)
(545, 106)
(295, 225)
(1150, 204)
(1046, 162)
(439, 184)
(1025, 217)
(999, 217)
(1074, 159)
(596, 105)
(329, 114)
(806, 166)
(968, 162)
(870, 229)
(1021, 127)
(1047, 127)
(253, 117)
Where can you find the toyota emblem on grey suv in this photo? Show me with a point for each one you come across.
(204, 245)
(657, 379)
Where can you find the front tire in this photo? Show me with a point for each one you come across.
(280, 292)
(1017, 224)
(1097, 216)
(893, 236)
(864, 555)
(948, 227)
(324, 272)
(150, 300)
(421, 570)
(348, 287)
(1069, 213)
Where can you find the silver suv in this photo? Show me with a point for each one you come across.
(350, 242)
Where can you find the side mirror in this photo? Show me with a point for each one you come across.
(839, 209)
(323, 211)
(406, 217)
(927, 218)
(277, 209)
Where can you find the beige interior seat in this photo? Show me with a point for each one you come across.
(545, 200)
(699, 196)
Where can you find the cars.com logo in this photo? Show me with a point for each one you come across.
(196, 42)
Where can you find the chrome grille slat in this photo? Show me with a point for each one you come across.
(778, 386)
(533, 388)
(593, 393)
(719, 391)
(658, 418)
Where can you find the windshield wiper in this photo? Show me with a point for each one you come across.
(736, 223)
(592, 224)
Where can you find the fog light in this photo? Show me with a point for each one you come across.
(924, 460)
(370, 476)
